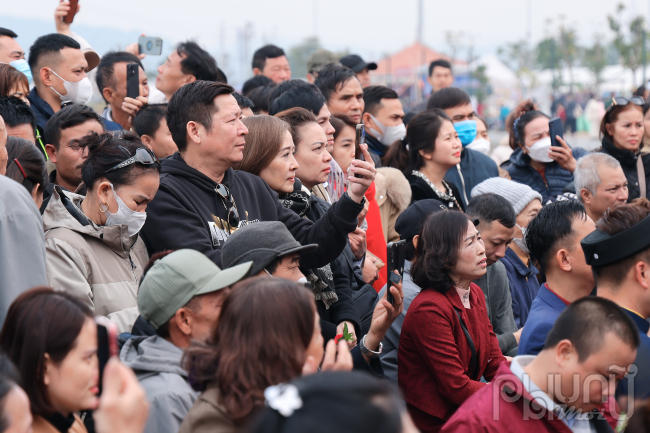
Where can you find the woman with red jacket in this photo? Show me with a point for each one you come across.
(447, 342)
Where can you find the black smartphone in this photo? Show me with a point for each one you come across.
(151, 45)
(72, 12)
(395, 257)
(361, 138)
(555, 128)
(132, 80)
(106, 344)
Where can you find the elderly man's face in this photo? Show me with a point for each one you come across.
(611, 192)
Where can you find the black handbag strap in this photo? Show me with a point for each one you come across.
(473, 362)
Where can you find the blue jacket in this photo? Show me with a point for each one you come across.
(642, 362)
(543, 314)
(474, 169)
(523, 286)
(44, 112)
(556, 177)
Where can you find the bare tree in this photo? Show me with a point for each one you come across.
(628, 44)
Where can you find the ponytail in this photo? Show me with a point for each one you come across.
(397, 156)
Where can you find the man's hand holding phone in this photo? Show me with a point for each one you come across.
(63, 11)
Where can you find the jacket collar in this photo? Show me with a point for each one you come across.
(551, 298)
(520, 267)
(453, 297)
(374, 145)
(60, 214)
(519, 158)
(39, 104)
(625, 157)
(641, 323)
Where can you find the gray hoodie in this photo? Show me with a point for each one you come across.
(157, 364)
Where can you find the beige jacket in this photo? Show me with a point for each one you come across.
(101, 265)
(209, 416)
(393, 196)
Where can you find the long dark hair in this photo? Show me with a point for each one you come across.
(421, 134)
(25, 164)
(441, 237)
(265, 327)
(41, 321)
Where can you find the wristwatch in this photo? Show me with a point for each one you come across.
(369, 353)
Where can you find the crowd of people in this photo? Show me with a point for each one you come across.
(237, 245)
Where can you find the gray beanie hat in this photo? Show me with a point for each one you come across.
(518, 194)
(260, 243)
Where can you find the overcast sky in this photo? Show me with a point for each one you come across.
(370, 27)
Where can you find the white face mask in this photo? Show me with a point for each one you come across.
(388, 134)
(125, 216)
(78, 92)
(302, 280)
(480, 145)
(521, 242)
(539, 150)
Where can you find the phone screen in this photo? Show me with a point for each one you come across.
(106, 344)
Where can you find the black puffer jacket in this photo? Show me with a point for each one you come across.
(628, 161)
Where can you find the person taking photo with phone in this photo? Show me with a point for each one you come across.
(622, 130)
(546, 169)
(51, 338)
(112, 83)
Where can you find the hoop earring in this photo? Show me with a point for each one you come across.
(100, 207)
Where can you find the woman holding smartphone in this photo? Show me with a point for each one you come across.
(51, 338)
(534, 162)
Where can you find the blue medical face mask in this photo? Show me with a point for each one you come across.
(22, 66)
(466, 131)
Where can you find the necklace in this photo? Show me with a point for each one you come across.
(443, 196)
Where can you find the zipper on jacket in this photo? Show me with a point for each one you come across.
(135, 277)
(462, 181)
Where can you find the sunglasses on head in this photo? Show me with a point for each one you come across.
(233, 214)
(619, 100)
(142, 155)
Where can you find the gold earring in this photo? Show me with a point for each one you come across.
(100, 207)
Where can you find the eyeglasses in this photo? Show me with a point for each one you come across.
(233, 214)
(142, 156)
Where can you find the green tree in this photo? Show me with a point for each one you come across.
(483, 90)
(568, 44)
(629, 44)
(594, 58)
(299, 54)
(547, 56)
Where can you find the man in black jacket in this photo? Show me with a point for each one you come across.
(202, 200)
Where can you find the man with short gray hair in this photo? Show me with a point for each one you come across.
(600, 184)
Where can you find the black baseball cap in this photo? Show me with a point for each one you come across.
(357, 64)
(410, 221)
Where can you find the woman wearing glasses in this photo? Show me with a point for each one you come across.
(622, 130)
(534, 162)
(92, 242)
